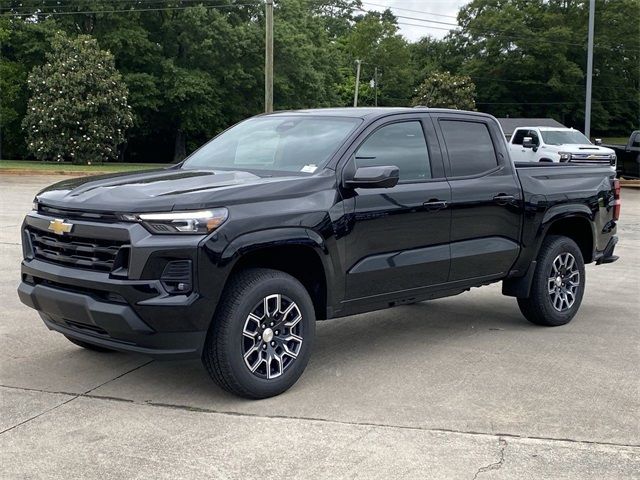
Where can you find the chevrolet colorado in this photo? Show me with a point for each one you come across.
(293, 217)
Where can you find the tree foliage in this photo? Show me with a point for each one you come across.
(192, 68)
(78, 106)
(444, 90)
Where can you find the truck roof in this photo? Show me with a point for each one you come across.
(371, 112)
(555, 129)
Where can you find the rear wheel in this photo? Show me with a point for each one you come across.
(260, 340)
(89, 346)
(558, 283)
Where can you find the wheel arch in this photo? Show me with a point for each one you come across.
(296, 251)
(572, 221)
(576, 225)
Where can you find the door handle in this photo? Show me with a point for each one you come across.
(435, 205)
(503, 198)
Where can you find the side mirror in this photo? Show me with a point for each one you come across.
(373, 177)
(527, 142)
(598, 141)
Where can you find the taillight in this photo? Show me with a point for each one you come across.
(617, 202)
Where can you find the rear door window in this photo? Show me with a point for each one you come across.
(470, 148)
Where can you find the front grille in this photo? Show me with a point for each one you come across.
(77, 214)
(592, 159)
(73, 251)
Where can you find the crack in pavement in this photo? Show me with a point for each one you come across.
(74, 396)
(38, 415)
(496, 465)
(194, 409)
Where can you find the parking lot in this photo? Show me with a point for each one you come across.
(462, 387)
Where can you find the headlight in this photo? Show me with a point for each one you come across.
(200, 222)
(564, 156)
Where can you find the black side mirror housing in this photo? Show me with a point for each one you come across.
(527, 142)
(373, 177)
(598, 141)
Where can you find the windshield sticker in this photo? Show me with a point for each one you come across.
(309, 168)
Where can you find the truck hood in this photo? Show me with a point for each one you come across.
(582, 149)
(171, 189)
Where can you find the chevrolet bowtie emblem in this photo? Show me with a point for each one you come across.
(59, 227)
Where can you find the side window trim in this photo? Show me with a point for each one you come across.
(500, 159)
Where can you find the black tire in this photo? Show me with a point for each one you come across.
(224, 350)
(539, 307)
(89, 346)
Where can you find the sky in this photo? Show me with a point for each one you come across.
(434, 10)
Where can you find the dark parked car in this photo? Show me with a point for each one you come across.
(293, 217)
(628, 165)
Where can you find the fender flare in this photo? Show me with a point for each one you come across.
(299, 236)
(520, 286)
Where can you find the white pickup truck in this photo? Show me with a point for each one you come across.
(552, 144)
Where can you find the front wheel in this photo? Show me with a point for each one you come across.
(261, 336)
(558, 283)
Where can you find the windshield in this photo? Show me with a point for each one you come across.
(275, 143)
(562, 137)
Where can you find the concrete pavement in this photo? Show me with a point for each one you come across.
(462, 387)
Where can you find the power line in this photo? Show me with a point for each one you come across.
(508, 36)
(132, 3)
(552, 103)
(409, 10)
(544, 84)
(471, 27)
(131, 10)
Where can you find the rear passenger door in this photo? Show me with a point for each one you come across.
(486, 203)
(399, 237)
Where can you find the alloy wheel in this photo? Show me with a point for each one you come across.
(272, 336)
(564, 281)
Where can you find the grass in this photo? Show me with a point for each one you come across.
(55, 167)
(615, 140)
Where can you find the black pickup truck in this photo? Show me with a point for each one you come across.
(628, 164)
(293, 217)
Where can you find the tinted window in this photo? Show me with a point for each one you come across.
(518, 137)
(276, 143)
(636, 140)
(469, 146)
(399, 144)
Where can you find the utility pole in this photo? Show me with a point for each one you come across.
(355, 96)
(268, 57)
(375, 79)
(587, 108)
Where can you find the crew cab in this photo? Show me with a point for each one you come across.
(551, 144)
(298, 216)
(628, 155)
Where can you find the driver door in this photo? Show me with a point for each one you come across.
(400, 236)
(521, 154)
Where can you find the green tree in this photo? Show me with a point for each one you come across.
(375, 40)
(528, 58)
(444, 90)
(78, 106)
(22, 46)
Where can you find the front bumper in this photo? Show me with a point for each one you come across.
(131, 312)
(110, 325)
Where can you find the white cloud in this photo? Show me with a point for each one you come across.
(435, 10)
